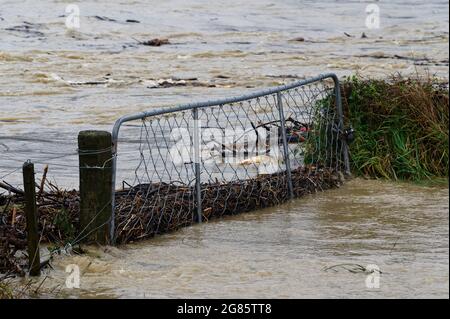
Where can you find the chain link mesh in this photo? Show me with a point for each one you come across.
(246, 154)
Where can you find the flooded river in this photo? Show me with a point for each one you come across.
(57, 81)
(283, 252)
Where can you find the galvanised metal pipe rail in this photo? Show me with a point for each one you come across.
(184, 107)
(195, 106)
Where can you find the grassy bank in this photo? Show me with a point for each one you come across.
(401, 127)
(5, 291)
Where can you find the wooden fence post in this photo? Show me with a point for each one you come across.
(96, 211)
(34, 259)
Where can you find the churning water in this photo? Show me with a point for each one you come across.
(55, 82)
(283, 252)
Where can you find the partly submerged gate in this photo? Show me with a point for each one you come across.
(175, 166)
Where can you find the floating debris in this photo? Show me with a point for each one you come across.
(103, 18)
(222, 77)
(285, 76)
(353, 268)
(239, 42)
(264, 163)
(107, 19)
(154, 42)
(28, 28)
(106, 80)
(299, 39)
(417, 60)
(163, 83)
(12, 240)
(173, 82)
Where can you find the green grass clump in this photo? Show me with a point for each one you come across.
(401, 127)
(5, 291)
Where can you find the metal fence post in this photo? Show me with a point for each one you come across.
(112, 228)
(196, 145)
(337, 92)
(285, 145)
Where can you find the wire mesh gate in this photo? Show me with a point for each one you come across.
(197, 161)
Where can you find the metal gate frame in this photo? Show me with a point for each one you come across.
(195, 106)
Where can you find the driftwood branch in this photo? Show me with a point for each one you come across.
(11, 188)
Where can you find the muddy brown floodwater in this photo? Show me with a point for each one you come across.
(282, 252)
(55, 82)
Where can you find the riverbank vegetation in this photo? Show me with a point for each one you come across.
(401, 127)
(5, 290)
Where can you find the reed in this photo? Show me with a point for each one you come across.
(401, 127)
(5, 290)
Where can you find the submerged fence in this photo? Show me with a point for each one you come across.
(198, 161)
